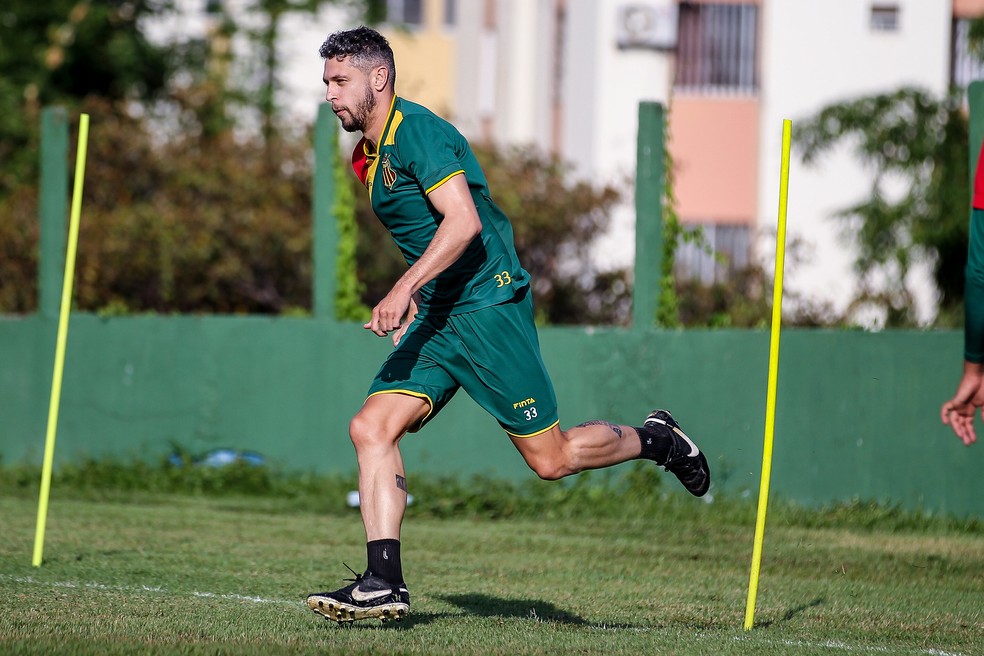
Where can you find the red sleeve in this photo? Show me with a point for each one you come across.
(360, 163)
(979, 181)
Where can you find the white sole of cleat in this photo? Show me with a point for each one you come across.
(343, 613)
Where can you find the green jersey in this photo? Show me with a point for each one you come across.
(417, 153)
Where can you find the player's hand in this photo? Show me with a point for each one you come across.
(960, 417)
(411, 315)
(958, 412)
(398, 335)
(389, 312)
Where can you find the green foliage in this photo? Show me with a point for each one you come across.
(193, 226)
(349, 290)
(59, 51)
(870, 515)
(912, 137)
(744, 300)
(668, 310)
(631, 492)
(185, 211)
(18, 250)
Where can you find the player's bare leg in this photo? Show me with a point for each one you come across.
(376, 431)
(380, 592)
(557, 453)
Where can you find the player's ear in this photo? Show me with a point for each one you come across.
(380, 78)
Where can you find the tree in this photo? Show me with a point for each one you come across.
(59, 51)
(185, 213)
(180, 226)
(923, 140)
(744, 300)
(181, 214)
(912, 136)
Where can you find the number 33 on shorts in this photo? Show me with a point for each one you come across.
(530, 413)
(503, 279)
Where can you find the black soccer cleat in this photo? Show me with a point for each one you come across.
(685, 460)
(366, 597)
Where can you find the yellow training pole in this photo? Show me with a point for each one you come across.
(770, 404)
(66, 303)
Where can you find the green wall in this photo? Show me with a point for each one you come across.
(857, 413)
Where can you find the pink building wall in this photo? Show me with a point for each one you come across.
(715, 143)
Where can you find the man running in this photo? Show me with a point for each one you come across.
(461, 316)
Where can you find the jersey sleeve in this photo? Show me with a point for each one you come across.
(974, 291)
(429, 151)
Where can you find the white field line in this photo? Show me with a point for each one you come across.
(143, 588)
(836, 645)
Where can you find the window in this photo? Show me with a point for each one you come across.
(727, 240)
(884, 18)
(966, 64)
(717, 47)
(405, 12)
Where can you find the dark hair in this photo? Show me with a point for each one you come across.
(367, 48)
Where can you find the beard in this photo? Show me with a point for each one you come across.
(355, 120)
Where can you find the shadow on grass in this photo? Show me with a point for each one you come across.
(793, 612)
(480, 605)
(485, 606)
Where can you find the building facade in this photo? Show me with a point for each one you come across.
(568, 77)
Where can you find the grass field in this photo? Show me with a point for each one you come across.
(168, 573)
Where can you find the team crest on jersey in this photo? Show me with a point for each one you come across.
(389, 175)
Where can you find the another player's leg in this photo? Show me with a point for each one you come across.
(380, 592)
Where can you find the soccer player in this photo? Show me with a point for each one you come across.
(959, 411)
(461, 316)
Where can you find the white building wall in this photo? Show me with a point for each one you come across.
(301, 35)
(469, 68)
(815, 54)
(603, 87)
(516, 111)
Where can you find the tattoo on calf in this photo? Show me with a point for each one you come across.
(598, 422)
(401, 482)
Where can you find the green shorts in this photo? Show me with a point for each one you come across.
(492, 353)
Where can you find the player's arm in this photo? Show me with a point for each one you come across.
(974, 292)
(460, 225)
(958, 412)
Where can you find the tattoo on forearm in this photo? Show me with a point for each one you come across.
(401, 482)
(598, 422)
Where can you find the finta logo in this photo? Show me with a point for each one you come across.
(523, 404)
